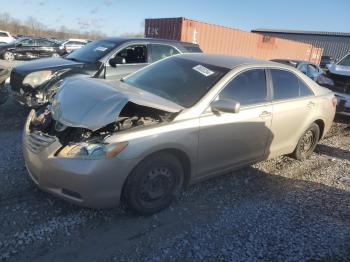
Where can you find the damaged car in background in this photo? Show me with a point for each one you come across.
(135, 143)
(33, 83)
(340, 73)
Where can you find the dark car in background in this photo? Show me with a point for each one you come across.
(4, 75)
(27, 48)
(33, 83)
(310, 69)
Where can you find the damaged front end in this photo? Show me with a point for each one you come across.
(84, 112)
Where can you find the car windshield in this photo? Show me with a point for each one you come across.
(177, 79)
(345, 61)
(93, 51)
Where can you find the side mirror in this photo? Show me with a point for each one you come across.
(225, 105)
(117, 61)
(19, 44)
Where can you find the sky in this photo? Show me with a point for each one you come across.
(117, 17)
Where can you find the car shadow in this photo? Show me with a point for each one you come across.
(333, 152)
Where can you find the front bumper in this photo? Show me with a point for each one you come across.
(89, 183)
(343, 103)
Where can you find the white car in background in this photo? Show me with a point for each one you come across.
(5, 37)
(339, 72)
(73, 44)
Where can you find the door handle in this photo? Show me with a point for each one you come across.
(265, 114)
(311, 105)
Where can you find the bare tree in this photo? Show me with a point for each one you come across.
(35, 28)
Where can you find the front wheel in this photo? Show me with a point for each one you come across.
(9, 56)
(153, 185)
(307, 143)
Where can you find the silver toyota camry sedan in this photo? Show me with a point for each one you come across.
(135, 143)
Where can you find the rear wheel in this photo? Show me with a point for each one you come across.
(55, 55)
(154, 184)
(9, 56)
(307, 142)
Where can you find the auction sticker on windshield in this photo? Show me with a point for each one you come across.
(203, 70)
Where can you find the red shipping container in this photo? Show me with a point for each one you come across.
(224, 40)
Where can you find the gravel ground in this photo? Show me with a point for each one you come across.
(281, 209)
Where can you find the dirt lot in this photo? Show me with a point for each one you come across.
(280, 209)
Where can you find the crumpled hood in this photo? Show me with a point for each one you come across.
(339, 70)
(47, 64)
(92, 103)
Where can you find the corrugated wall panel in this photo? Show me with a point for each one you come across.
(223, 40)
(336, 46)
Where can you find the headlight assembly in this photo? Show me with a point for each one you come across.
(92, 150)
(37, 78)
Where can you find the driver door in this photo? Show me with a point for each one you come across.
(130, 59)
(228, 140)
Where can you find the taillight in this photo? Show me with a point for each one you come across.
(334, 101)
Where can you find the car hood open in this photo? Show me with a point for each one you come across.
(339, 70)
(93, 104)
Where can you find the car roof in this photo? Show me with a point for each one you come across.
(225, 61)
(129, 39)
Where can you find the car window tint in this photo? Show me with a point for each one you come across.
(160, 51)
(27, 42)
(134, 54)
(247, 88)
(304, 90)
(286, 85)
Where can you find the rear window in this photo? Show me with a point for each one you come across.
(193, 48)
(3, 34)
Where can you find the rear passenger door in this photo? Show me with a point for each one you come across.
(135, 57)
(161, 51)
(293, 107)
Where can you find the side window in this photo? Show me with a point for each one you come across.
(286, 85)
(2, 34)
(134, 54)
(43, 42)
(160, 51)
(27, 42)
(247, 88)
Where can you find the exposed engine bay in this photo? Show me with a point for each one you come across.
(132, 116)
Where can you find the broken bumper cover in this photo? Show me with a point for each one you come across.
(89, 183)
(343, 103)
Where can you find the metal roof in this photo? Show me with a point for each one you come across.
(287, 31)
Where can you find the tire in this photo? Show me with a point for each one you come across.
(55, 55)
(9, 56)
(153, 184)
(307, 142)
